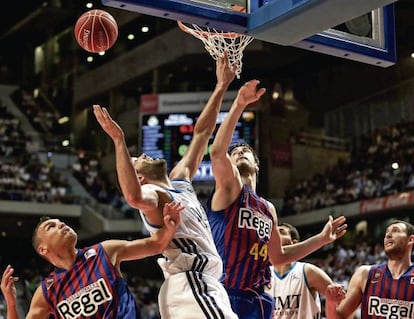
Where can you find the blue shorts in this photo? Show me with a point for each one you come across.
(251, 304)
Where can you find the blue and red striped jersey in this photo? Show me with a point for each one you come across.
(92, 288)
(241, 233)
(386, 297)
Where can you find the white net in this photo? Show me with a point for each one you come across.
(217, 42)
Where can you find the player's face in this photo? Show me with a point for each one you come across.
(150, 167)
(243, 158)
(54, 232)
(396, 240)
(285, 237)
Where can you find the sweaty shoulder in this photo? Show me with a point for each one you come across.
(361, 275)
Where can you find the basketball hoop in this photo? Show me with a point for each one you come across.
(217, 42)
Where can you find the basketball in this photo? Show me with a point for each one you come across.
(96, 31)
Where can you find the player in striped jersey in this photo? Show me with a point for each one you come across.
(191, 264)
(87, 282)
(383, 291)
(244, 224)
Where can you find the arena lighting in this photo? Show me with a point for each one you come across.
(65, 143)
(63, 120)
(395, 165)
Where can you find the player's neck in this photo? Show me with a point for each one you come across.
(283, 269)
(65, 260)
(250, 180)
(398, 266)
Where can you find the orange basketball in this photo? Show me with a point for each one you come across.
(96, 31)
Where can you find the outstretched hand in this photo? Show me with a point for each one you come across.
(249, 93)
(171, 212)
(335, 293)
(225, 72)
(107, 123)
(334, 229)
(7, 286)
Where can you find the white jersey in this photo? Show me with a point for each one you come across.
(193, 246)
(191, 264)
(293, 297)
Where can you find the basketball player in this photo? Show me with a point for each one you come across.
(87, 282)
(382, 290)
(244, 225)
(296, 286)
(191, 264)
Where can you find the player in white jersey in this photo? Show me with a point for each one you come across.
(191, 264)
(296, 287)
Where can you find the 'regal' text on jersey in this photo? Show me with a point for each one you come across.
(253, 220)
(86, 301)
(390, 308)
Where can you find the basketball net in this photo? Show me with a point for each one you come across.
(217, 42)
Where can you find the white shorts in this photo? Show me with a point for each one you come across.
(193, 295)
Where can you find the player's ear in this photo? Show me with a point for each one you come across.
(42, 250)
(141, 179)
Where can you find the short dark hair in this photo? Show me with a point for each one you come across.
(408, 226)
(35, 239)
(241, 144)
(293, 231)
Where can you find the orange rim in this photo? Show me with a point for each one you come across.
(207, 34)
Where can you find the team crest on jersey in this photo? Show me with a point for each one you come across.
(90, 253)
(49, 283)
(412, 281)
(376, 277)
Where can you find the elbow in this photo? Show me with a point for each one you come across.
(132, 199)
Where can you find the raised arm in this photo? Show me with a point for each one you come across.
(206, 123)
(333, 229)
(227, 177)
(127, 175)
(39, 309)
(122, 250)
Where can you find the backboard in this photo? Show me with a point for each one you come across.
(352, 29)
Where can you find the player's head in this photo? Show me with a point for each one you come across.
(288, 234)
(399, 236)
(50, 237)
(244, 157)
(149, 168)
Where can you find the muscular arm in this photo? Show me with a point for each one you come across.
(228, 182)
(206, 123)
(39, 308)
(333, 229)
(122, 250)
(318, 279)
(136, 196)
(353, 296)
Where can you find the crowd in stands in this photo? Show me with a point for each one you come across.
(380, 164)
(89, 173)
(12, 137)
(23, 177)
